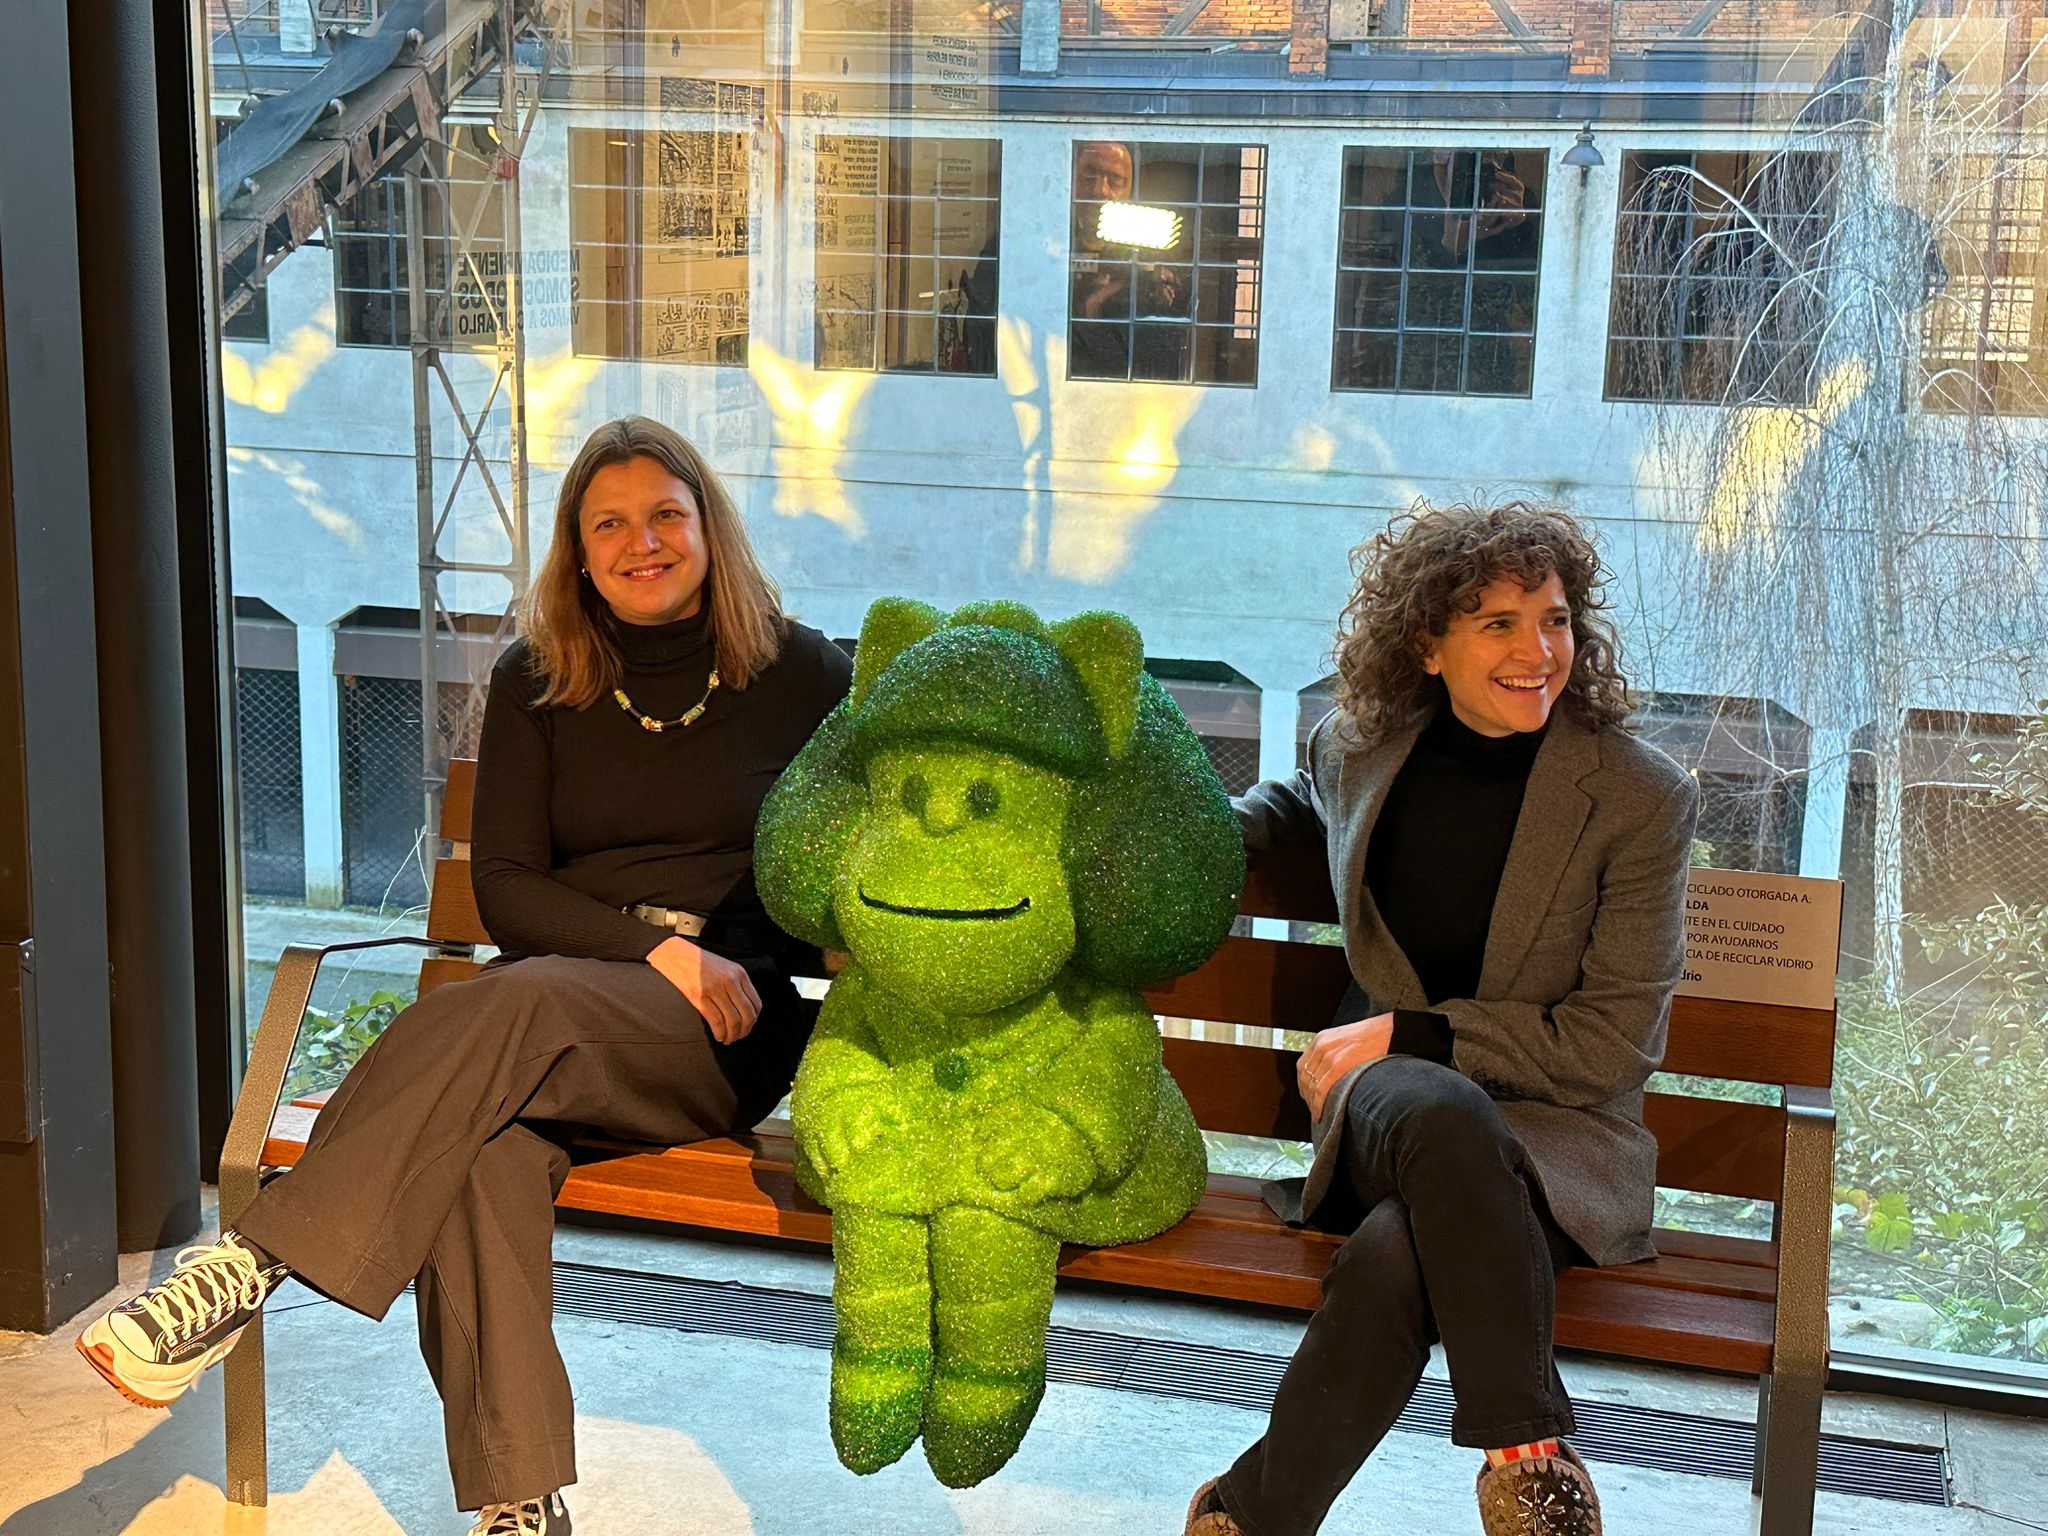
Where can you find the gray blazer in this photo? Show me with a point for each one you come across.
(1586, 943)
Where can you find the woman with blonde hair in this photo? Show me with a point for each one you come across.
(1509, 865)
(641, 992)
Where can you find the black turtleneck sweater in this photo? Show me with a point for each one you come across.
(582, 812)
(1435, 860)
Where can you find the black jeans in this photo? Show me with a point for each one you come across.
(1456, 1244)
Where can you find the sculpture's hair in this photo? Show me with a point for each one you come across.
(1153, 856)
(1433, 562)
(568, 626)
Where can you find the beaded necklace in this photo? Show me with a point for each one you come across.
(687, 718)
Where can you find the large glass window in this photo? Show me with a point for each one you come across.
(1164, 270)
(1436, 270)
(908, 240)
(1714, 294)
(1162, 308)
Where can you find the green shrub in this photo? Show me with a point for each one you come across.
(1942, 1167)
(330, 1043)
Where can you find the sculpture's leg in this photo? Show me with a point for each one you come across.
(882, 1355)
(993, 1281)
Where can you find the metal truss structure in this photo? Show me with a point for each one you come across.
(452, 732)
(382, 103)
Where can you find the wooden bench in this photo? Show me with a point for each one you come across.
(1731, 1304)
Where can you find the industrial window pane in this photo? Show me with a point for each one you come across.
(1166, 233)
(1434, 244)
(910, 228)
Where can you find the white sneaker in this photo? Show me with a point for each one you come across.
(154, 1347)
(546, 1516)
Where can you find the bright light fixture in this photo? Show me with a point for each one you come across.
(1155, 229)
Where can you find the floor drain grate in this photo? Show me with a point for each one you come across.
(1630, 1436)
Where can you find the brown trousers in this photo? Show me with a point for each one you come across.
(438, 1159)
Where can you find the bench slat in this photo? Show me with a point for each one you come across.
(1292, 882)
(451, 912)
(456, 799)
(1708, 1145)
(440, 970)
(1688, 1304)
(1751, 1042)
(1718, 1148)
(1264, 982)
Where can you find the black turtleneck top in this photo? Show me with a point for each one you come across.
(1435, 860)
(581, 813)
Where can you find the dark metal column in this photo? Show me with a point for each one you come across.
(200, 469)
(56, 1120)
(129, 413)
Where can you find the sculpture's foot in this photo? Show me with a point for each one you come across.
(973, 1426)
(992, 1300)
(882, 1358)
(878, 1405)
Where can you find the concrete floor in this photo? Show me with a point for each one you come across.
(694, 1435)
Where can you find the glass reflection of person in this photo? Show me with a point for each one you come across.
(641, 990)
(1110, 285)
(1501, 230)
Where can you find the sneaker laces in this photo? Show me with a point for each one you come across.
(210, 1280)
(528, 1517)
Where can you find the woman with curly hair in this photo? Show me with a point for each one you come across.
(1509, 865)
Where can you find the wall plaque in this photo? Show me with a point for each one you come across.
(1761, 938)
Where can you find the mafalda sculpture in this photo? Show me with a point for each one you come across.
(1010, 828)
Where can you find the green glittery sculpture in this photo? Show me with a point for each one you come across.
(1010, 828)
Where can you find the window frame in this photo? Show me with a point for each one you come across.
(895, 175)
(1408, 209)
(719, 115)
(1252, 207)
(1679, 345)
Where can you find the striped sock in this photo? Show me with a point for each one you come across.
(1510, 1453)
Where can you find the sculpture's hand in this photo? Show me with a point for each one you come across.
(838, 1131)
(1035, 1155)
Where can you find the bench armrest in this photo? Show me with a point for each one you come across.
(1805, 1219)
(270, 1058)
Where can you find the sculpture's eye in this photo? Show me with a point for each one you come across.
(983, 799)
(917, 794)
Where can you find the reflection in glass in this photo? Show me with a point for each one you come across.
(908, 235)
(661, 230)
(1207, 276)
(1711, 247)
(1422, 233)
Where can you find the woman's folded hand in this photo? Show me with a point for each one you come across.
(1338, 1050)
(718, 988)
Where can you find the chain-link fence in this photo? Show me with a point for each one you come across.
(1236, 760)
(387, 823)
(272, 793)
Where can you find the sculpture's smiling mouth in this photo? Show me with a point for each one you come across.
(950, 914)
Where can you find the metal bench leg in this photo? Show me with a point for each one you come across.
(248, 1428)
(241, 1169)
(1791, 1457)
(1788, 1419)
